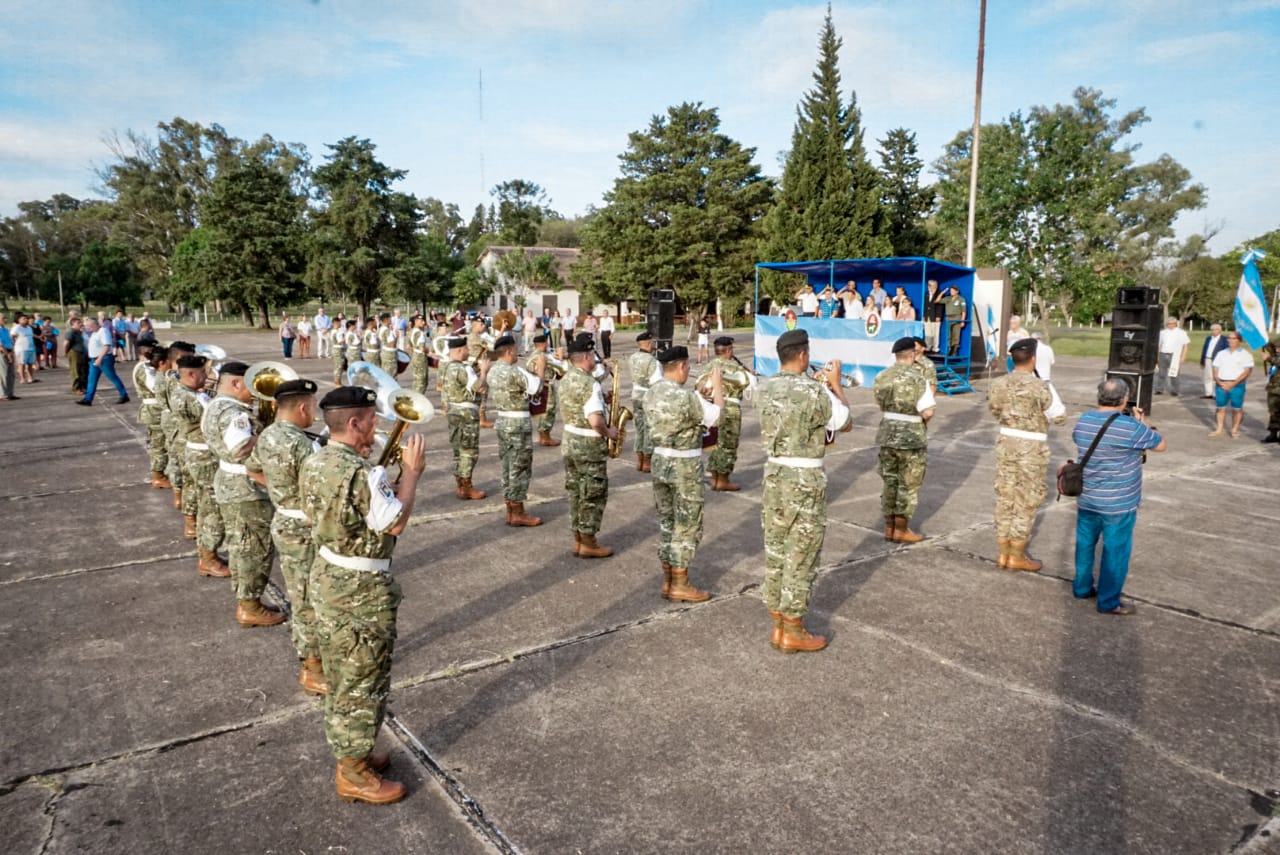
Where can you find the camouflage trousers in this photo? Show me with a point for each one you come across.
(1021, 465)
(389, 362)
(677, 494)
(547, 420)
(586, 480)
(292, 539)
(355, 625)
(352, 356)
(210, 526)
(794, 515)
(644, 439)
(515, 451)
(339, 366)
(157, 447)
(464, 439)
(1273, 410)
(174, 466)
(902, 470)
(249, 546)
(419, 368)
(725, 456)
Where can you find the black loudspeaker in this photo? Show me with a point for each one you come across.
(1140, 386)
(1137, 297)
(1133, 351)
(660, 320)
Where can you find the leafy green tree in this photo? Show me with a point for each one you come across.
(522, 206)
(106, 276)
(472, 286)
(828, 204)
(683, 215)
(442, 221)
(195, 278)
(521, 270)
(44, 230)
(425, 278)
(559, 231)
(905, 204)
(365, 228)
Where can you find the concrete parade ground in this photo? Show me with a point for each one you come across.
(546, 704)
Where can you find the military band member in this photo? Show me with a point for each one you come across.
(737, 380)
(355, 519)
(475, 348)
(461, 385)
(924, 364)
(1023, 404)
(645, 371)
(187, 401)
(677, 417)
(241, 493)
(371, 342)
(387, 345)
(547, 420)
(165, 380)
(795, 415)
(906, 403)
(279, 454)
(585, 449)
(418, 342)
(144, 381)
(353, 340)
(511, 386)
(338, 350)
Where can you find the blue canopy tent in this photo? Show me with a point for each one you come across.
(865, 352)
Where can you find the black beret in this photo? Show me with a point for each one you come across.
(295, 387)
(191, 361)
(582, 344)
(233, 369)
(457, 341)
(724, 341)
(540, 338)
(673, 354)
(644, 336)
(918, 340)
(504, 341)
(791, 338)
(904, 343)
(1023, 344)
(349, 397)
(184, 346)
(385, 316)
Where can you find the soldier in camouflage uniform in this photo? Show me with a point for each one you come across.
(586, 448)
(229, 432)
(460, 386)
(355, 519)
(676, 418)
(175, 471)
(924, 364)
(353, 340)
(1023, 404)
(144, 378)
(511, 386)
(371, 342)
(418, 354)
(389, 362)
(645, 371)
(188, 400)
(906, 403)
(737, 380)
(795, 415)
(279, 454)
(337, 349)
(547, 420)
(1271, 366)
(476, 347)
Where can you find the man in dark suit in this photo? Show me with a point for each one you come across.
(1214, 342)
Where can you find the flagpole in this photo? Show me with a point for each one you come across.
(977, 128)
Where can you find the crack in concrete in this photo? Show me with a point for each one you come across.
(78, 571)
(129, 485)
(50, 810)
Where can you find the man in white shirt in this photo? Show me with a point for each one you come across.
(1044, 358)
(102, 361)
(1231, 368)
(606, 334)
(1173, 349)
(808, 302)
(323, 324)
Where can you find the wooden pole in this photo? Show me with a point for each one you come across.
(977, 128)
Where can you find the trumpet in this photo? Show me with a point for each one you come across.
(847, 381)
(405, 406)
(263, 378)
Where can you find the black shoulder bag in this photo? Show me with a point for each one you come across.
(1071, 473)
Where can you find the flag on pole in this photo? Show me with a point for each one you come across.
(991, 334)
(1251, 304)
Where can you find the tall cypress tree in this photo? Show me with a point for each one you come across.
(829, 203)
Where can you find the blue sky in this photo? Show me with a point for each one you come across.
(565, 81)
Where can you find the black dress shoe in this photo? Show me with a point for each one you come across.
(1123, 610)
(82, 402)
(13, 398)
(1092, 595)
(123, 400)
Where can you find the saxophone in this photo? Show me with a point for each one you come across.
(618, 414)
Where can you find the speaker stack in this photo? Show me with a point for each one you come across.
(660, 320)
(1136, 321)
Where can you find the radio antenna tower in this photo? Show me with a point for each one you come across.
(480, 112)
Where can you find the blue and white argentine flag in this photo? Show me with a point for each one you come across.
(1251, 304)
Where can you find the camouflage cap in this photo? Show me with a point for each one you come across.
(349, 397)
(290, 388)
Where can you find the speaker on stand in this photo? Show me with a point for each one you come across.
(1136, 321)
(660, 319)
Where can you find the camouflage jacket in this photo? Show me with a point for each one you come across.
(1271, 365)
(188, 411)
(417, 340)
(510, 386)
(794, 412)
(387, 337)
(927, 369)
(278, 455)
(1019, 401)
(573, 391)
(144, 378)
(733, 376)
(228, 427)
(352, 340)
(675, 415)
(898, 389)
(475, 344)
(335, 497)
(371, 341)
(161, 386)
(454, 380)
(643, 366)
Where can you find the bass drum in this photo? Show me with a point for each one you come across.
(538, 403)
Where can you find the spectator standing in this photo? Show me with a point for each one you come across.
(808, 302)
(304, 337)
(102, 361)
(132, 328)
(8, 361)
(567, 324)
(704, 341)
(852, 302)
(24, 347)
(528, 328)
(77, 356)
(323, 324)
(827, 303)
(552, 326)
(287, 336)
(1173, 350)
(591, 326)
(1214, 343)
(120, 330)
(146, 333)
(400, 325)
(606, 334)
(1108, 507)
(906, 311)
(1044, 358)
(878, 295)
(1231, 368)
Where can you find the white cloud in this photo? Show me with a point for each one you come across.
(1185, 48)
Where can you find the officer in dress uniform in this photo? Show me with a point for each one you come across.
(279, 454)
(204, 523)
(956, 311)
(511, 387)
(355, 519)
(460, 386)
(795, 415)
(1023, 404)
(906, 404)
(736, 380)
(645, 371)
(418, 354)
(676, 418)
(144, 380)
(242, 494)
(547, 420)
(585, 450)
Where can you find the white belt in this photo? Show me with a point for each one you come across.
(798, 462)
(902, 417)
(677, 452)
(737, 401)
(350, 562)
(233, 468)
(577, 431)
(150, 400)
(462, 405)
(292, 514)
(514, 414)
(1024, 434)
(197, 446)
(638, 390)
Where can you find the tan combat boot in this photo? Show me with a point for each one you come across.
(177, 498)
(902, 532)
(312, 678)
(544, 438)
(484, 420)
(1002, 544)
(159, 481)
(254, 613)
(588, 548)
(647, 466)
(889, 526)
(723, 484)
(681, 591)
(797, 639)
(639, 461)
(209, 564)
(775, 638)
(577, 542)
(358, 782)
(666, 581)
(517, 517)
(467, 492)
(1019, 560)
(189, 526)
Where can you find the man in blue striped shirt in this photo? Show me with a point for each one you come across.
(1108, 507)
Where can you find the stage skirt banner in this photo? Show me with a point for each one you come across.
(862, 355)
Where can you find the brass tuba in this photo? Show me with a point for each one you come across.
(263, 378)
(618, 414)
(405, 406)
